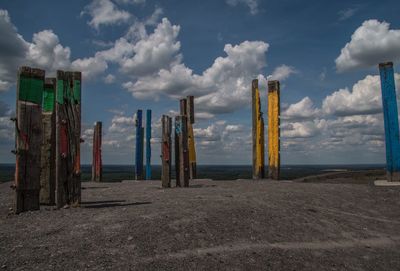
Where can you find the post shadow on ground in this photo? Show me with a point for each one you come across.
(111, 203)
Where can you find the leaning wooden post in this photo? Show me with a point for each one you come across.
(273, 130)
(166, 151)
(258, 133)
(28, 132)
(68, 138)
(47, 175)
(139, 147)
(148, 144)
(391, 121)
(97, 167)
(191, 143)
(181, 151)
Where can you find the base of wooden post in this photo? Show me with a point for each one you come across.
(393, 176)
(27, 200)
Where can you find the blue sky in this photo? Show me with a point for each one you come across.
(143, 54)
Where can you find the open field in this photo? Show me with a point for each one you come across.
(213, 225)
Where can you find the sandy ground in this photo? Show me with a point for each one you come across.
(214, 225)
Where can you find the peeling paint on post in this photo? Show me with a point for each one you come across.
(191, 142)
(166, 151)
(28, 135)
(273, 130)
(258, 133)
(139, 147)
(391, 121)
(181, 151)
(148, 144)
(97, 167)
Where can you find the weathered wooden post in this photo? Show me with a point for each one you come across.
(148, 144)
(191, 142)
(97, 166)
(28, 134)
(181, 151)
(139, 147)
(68, 138)
(47, 175)
(166, 151)
(273, 130)
(392, 138)
(258, 133)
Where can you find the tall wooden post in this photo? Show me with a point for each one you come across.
(47, 175)
(273, 130)
(181, 151)
(258, 133)
(68, 138)
(148, 144)
(139, 147)
(28, 132)
(390, 114)
(191, 142)
(97, 166)
(166, 151)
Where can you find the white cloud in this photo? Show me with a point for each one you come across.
(304, 109)
(105, 12)
(281, 73)
(302, 129)
(347, 13)
(109, 79)
(373, 42)
(131, 1)
(252, 4)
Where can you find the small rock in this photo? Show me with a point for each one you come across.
(130, 238)
(66, 206)
(3, 266)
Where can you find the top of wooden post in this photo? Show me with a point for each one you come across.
(254, 83)
(273, 85)
(386, 65)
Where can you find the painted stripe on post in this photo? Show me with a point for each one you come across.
(391, 121)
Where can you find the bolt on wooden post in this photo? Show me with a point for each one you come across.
(148, 144)
(47, 175)
(68, 138)
(181, 151)
(97, 167)
(258, 133)
(139, 147)
(166, 151)
(191, 142)
(390, 114)
(273, 130)
(28, 135)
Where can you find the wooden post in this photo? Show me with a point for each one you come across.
(68, 138)
(258, 133)
(28, 132)
(273, 130)
(166, 151)
(392, 138)
(191, 143)
(47, 175)
(148, 144)
(181, 151)
(97, 166)
(139, 147)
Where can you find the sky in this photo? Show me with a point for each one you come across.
(145, 54)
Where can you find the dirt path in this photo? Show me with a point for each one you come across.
(214, 225)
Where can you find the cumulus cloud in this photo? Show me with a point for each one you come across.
(251, 4)
(304, 109)
(364, 98)
(281, 73)
(105, 12)
(373, 42)
(109, 79)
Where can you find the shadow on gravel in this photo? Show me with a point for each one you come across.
(111, 203)
(95, 187)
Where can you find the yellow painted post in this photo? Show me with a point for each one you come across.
(273, 130)
(258, 133)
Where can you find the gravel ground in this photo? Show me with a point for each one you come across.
(213, 225)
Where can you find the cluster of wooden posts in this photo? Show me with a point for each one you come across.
(185, 151)
(47, 139)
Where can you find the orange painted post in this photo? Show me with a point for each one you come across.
(274, 130)
(191, 141)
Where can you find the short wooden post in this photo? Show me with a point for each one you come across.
(47, 175)
(28, 132)
(148, 144)
(390, 114)
(166, 151)
(181, 151)
(97, 166)
(191, 142)
(139, 146)
(273, 130)
(258, 133)
(68, 138)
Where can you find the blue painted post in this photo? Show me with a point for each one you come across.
(391, 121)
(139, 147)
(148, 145)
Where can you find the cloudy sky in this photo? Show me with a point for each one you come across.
(145, 54)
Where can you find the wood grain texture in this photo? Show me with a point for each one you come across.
(166, 151)
(273, 130)
(97, 167)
